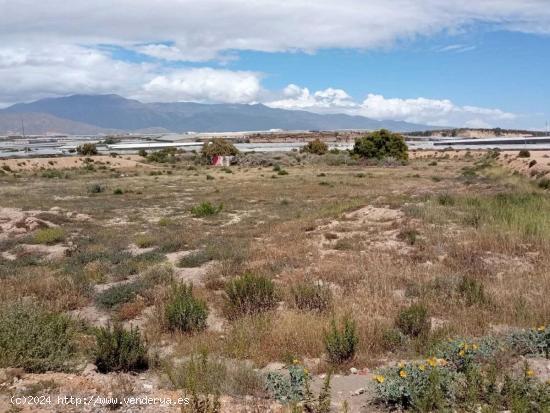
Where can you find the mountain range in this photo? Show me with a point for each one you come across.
(107, 114)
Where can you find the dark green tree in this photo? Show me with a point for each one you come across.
(381, 144)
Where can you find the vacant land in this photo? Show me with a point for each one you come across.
(281, 251)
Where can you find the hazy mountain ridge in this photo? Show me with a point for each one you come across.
(113, 112)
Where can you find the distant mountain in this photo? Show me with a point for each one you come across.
(107, 112)
(43, 123)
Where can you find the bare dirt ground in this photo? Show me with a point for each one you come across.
(68, 162)
(380, 238)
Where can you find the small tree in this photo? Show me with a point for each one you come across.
(341, 343)
(183, 311)
(87, 149)
(118, 349)
(381, 144)
(218, 147)
(317, 147)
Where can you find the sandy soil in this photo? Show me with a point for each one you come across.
(66, 162)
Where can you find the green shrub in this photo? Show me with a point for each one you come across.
(144, 241)
(423, 387)
(49, 236)
(288, 388)
(87, 149)
(544, 183)
(96, 189)
(524, 153)
(183, 311)
(249, 294)
(533, 342)
(34, 339)
(316, 146)
(341, 343)
(472, 291)
(409, 235)
(311, 296)
(413, 321)
(119, 294)
(119, 350)
(206, 209)
(380, 145)
(218, 147)
(163, 156)
(118, 191)
(142, 153)
(194, 259)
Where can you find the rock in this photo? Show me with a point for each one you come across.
(89, 370)
(275, 366)
(357, 392)
(147, 386)
(353, 370)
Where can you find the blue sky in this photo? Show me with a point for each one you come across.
(426, 61)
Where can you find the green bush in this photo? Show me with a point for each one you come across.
(142, 153)
(206, 209)
(341, 343)
(195, 259)
(163, 156)
(34, 339)
(472, 291)
(183, 311)
(218, 147)
(249, 294)
(380, 145)
(87, 149)
(118, 350)
(96, 189)
(144, 240)
(316, 146)
(311, 296)
(118, 191)
(119, 294)
(524, 153)
(423, 387)
(413, 321)
(49, 236)
(544, 183)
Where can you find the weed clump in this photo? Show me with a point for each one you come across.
(183, 311)
(341, 343)
(206, 209)
(49, 236)
(472, 291)
(524, 153)
(118, 350)
(413, 321)
(249, 294)
(34, 339)
(310, 296)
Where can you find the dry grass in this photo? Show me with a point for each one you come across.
(483, 223)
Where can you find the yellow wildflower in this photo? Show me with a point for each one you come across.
(401, 364)
(306, 371)
(530, 373)
(379, 378)
(466, 347)
(403, 374)
(461, 353)
(295, 361)
(422, 367)
(432, 361)
(541, 328)
(475, 346)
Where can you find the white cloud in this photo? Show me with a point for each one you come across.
(204, 85)
(33, 73)
(441, 112)
(202, 30)
(295, 97)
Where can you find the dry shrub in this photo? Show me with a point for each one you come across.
(131, 310)
(280, 336)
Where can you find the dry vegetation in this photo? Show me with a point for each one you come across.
(461, 237)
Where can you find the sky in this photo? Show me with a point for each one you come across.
(473, 63)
